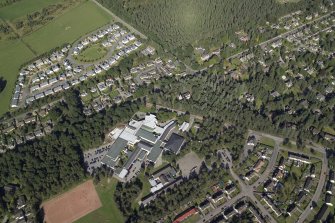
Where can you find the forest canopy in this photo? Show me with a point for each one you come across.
(176, 23)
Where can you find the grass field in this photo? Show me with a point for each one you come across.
(92, 53)
(109, 211)
(267, 141)
(24, 7)
(13, 53)
(69, 27)
(66, 28)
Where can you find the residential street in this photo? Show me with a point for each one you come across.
(248, 190)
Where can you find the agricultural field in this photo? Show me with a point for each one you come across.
(68, 27)
(65, 28)
(24, 7)
(12, 55)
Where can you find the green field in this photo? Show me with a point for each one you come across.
(66, 28)
(69, 27)
(109, 212)
(267, 141)
(92, 53)
(12, 55)
(24, 7)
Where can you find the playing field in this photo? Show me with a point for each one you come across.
(109, 211)
(66, 28)
(69, 27)
(72, 205)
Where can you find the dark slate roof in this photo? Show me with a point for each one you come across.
(322, 212)
(174, 143)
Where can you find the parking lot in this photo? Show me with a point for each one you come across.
(93, 157)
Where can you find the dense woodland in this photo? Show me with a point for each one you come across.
(45, 167)
(185, 22)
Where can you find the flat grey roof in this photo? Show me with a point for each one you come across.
(146, 135)
(115, 150)
(132, 158)
(155, 152)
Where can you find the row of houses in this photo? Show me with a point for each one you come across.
(328, 197)
(95, 37)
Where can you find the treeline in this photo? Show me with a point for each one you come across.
(3, 84)
(189, 192)
(125, 195)
(176, 23)
(7, 2)
(45, 167)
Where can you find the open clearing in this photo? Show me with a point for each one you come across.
(66, 28)
(109, 211)
(189, 162)
(72, 205)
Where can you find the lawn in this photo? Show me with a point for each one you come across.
(92, 53)
(24, 7)
(109, 211)
(267, 141)
(329, 130)
(68, 27)
(13, 53)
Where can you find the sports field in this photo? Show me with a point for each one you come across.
(72, 205)
(66, 28)
(109, 211)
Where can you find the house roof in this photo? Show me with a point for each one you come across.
(321, 212)
(174, 143)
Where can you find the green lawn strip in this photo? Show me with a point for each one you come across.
(109, 211)
(304, 150)
(145, 190)
(329, 130)
(68, 27)
(192, 219)
(267, 141)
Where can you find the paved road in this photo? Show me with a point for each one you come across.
(248, 190)
(118, 19)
